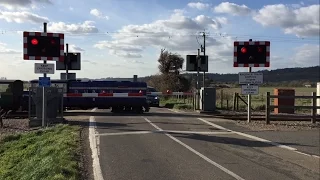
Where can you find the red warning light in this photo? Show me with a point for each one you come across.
(259, 49)
(244, 50)
(34, 42)
(53, 42)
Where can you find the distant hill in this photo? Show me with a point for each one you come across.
(310, 74)
(285, 77)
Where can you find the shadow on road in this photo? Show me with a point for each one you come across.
(148, 114)
(231, 140)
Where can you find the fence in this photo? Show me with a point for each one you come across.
(313, 106)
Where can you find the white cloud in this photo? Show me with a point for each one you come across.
(178, 34)
(5, 50)
(222, 20)
(97, 13)
(198, 5)
(80, 28)
(232, 8)
(22, 17)
(74, 48)
(22, 4)
(303, 21)
(307, 55)
(126, 54)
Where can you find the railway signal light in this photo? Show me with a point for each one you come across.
(34, 41)
(43, 46)
(244, 50)
(251, 54)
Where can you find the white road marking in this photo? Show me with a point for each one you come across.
(247, 135)
(253, 137)
(94, 145)
(124, 133)
(196, 152)
(163, 131)
(258, 139)
(174, 110)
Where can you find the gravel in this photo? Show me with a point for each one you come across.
(279, 125)
(14, 126)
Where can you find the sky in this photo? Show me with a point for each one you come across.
(120, 38)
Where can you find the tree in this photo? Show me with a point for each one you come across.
(169, 77)
(169, 62)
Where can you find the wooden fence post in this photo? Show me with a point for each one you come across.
(234, 101)
(221, 98)
(237, 101)
(227, 104)
(268, 108)
(314, 107)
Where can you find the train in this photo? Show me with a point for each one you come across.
(83, 94)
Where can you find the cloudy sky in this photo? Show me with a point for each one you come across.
(119, 38)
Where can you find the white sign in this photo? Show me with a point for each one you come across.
(250, 78)
(40, 68)
(250, 89)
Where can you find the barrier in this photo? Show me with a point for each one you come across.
(171, 93)
(104, 95)
(125, 94)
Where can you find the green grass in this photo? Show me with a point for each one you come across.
(50, 154)
(175, 103)
(258, 101)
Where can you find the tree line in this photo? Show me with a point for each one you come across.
(170, 76)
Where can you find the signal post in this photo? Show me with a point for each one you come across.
(43, 46)
(251, 54)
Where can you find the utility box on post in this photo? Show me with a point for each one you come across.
(284, 101)
(208, 99)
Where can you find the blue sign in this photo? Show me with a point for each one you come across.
(44, 82)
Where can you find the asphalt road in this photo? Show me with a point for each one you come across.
(165, 145)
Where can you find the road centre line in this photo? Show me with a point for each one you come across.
(162, 131)
(196, 152)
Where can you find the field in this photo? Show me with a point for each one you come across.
(225, 99)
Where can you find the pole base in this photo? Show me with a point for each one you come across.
(35, 122)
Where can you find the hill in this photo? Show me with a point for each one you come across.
(293, 77)
(278, 77)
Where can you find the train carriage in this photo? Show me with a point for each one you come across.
(118, 95)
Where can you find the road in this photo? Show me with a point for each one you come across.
(168, 145)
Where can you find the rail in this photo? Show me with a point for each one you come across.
(313, 105)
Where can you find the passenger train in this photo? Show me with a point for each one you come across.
(85, 94)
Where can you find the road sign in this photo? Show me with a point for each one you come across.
(250, 78)
(251, 54)
(41, 68)
(250, 89)
(44, 82)
(43, 46)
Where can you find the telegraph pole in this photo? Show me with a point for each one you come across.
(204, 54)
(198, 86)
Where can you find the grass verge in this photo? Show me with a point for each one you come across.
(44, 154)
(173, 103)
